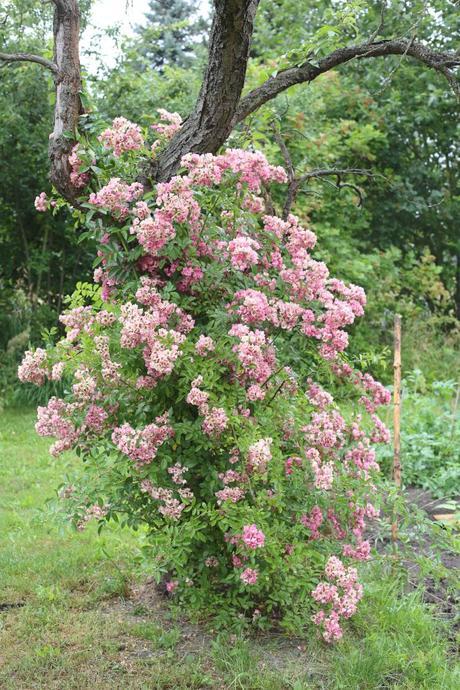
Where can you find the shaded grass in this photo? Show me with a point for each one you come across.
(74, 630)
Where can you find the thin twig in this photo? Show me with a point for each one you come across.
(381, 23)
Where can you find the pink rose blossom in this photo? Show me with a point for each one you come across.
(41, 202)
(249, 576)
(253, 537)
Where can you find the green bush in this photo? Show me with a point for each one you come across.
(430, 435)
(23, 323)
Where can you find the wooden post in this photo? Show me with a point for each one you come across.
(396, 415)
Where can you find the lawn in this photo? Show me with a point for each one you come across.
(76, 612)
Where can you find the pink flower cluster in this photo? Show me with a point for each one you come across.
(253, 537)
(142, 445)
(85, 388)
(54, 420)
(234, 493)
(77, 178)
(122, 136)
(171, 124)
(361, 552)
(95, 512)
(33, 368)
(176, 204)
(259, 455)
(255, 353)
(317, 396)
(313, 522)
(110, 370)
(115, 197)
(177, 471)
(215, 421)
(290, 463)
(96, 418)
(170, 507)
(380, 433)
(249, 576)
(379, 395)
(204, 345)
(230, 493)
(77, 320)
(305, 280)
(41, 202)
(256, 392)
(251, 167)
(215, 418)
(255, 307)
(149, 327)
(341, 598)
(243, 252)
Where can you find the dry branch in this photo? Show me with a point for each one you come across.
(29, 57)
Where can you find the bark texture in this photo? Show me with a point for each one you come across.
(211, 121)
(68, 108)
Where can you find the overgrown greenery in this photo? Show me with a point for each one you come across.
(401, 244)
(395, 120)
(430, 436)
(75, 628)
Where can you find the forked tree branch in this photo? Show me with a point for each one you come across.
(219, 106)
(308, 71)
(28, 57)
(211, 120)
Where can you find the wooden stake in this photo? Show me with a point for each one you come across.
(396, 414)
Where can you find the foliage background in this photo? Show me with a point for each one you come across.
(391, 117)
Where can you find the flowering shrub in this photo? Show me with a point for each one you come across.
(195, 397)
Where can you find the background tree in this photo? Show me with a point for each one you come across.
(220, 105)
(170, 34)
(381, 115)
(41, 257)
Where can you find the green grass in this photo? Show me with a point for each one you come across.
(76, 628)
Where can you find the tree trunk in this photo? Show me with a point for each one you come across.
(68, 108)
(210, 123)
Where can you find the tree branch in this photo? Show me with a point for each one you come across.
(211, 121)
(308, 71)
(28, 57)
(219, 106)
(336, 172)
(295, 181)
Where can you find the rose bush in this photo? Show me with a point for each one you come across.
(195, 387)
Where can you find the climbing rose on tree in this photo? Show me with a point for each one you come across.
(194, 388)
